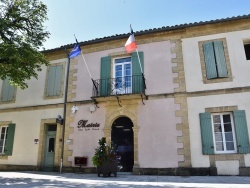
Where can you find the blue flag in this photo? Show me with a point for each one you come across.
(75, 51)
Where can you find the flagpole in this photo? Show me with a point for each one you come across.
(139, 60)
(86, 65)
(94, 83)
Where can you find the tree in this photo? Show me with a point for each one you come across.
(21, 36)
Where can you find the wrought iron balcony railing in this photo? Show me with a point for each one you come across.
(119, 86)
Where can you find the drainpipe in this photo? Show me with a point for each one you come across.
(64, 109)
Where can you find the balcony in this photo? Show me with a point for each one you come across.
(119, 86)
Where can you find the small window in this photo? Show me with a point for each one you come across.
(223, 133)
(51, 128)
(247, 51)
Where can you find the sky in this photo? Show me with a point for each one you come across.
(91, 19)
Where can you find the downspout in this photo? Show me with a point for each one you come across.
(64, 109)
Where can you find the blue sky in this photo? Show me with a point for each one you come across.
(91, 19)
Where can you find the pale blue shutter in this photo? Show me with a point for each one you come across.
(137, 81)
(241, 131)
(105, 76)
(209, 57)
(9, 139)
(58, 80)
(8, 91)
(220, 59)
(206, 133)
(51, 81)
(54, 83)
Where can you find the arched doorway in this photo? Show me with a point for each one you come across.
(122, 135)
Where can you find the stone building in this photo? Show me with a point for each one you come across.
(174, 123)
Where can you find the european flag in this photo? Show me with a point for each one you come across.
(75, 51)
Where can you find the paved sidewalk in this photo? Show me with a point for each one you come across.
(71, 180)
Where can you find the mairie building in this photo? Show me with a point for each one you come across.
(178, 105)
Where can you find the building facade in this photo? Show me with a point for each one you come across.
(216, 69)
(177, 107)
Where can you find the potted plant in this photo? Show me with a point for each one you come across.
(105, 158)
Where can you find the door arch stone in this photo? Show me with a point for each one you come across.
(134, 118)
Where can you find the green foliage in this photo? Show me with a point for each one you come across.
(104, 152)
(21, 36)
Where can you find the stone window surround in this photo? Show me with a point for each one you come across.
(225, 157)
(203, 66)
(42, 141)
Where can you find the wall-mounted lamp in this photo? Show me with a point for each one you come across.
(59, 119)
(92, 109)
(74, 109)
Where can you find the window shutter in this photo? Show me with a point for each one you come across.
(11, 93)
(137, 82)
(51, 80)
(5, 91)
(220, 59)
(8, 91)
(206, 133)
(58, 80)
(209, 60)
(105, 76)
(10, 139)
(241, 131)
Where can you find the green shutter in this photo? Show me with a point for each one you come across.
(241, 131)
(5, 91)
(137, 82)
(209, 60)
(10, 139)
(51, 81)
(220, 59)
(58, 80)
(11, 93)
(8, 91)
(105, 76)
(206, 133)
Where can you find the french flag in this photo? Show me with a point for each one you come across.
(131, 44)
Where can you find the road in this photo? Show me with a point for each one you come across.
(72, 180)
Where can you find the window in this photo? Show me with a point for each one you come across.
(122, 76)
(54, 81)
(7, 139)
(224, 132)
(3, 132)
(8, 92)
(247, 51)
(215, 61)
(126, 77)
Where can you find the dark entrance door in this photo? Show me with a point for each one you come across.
(122, 135)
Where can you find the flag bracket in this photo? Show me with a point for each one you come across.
(96, 103)
(95, 85)
(142, 98)
(144, 81)
(118, 100)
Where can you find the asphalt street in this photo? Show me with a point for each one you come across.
(72, 180)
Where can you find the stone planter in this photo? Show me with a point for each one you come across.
(107, 168)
